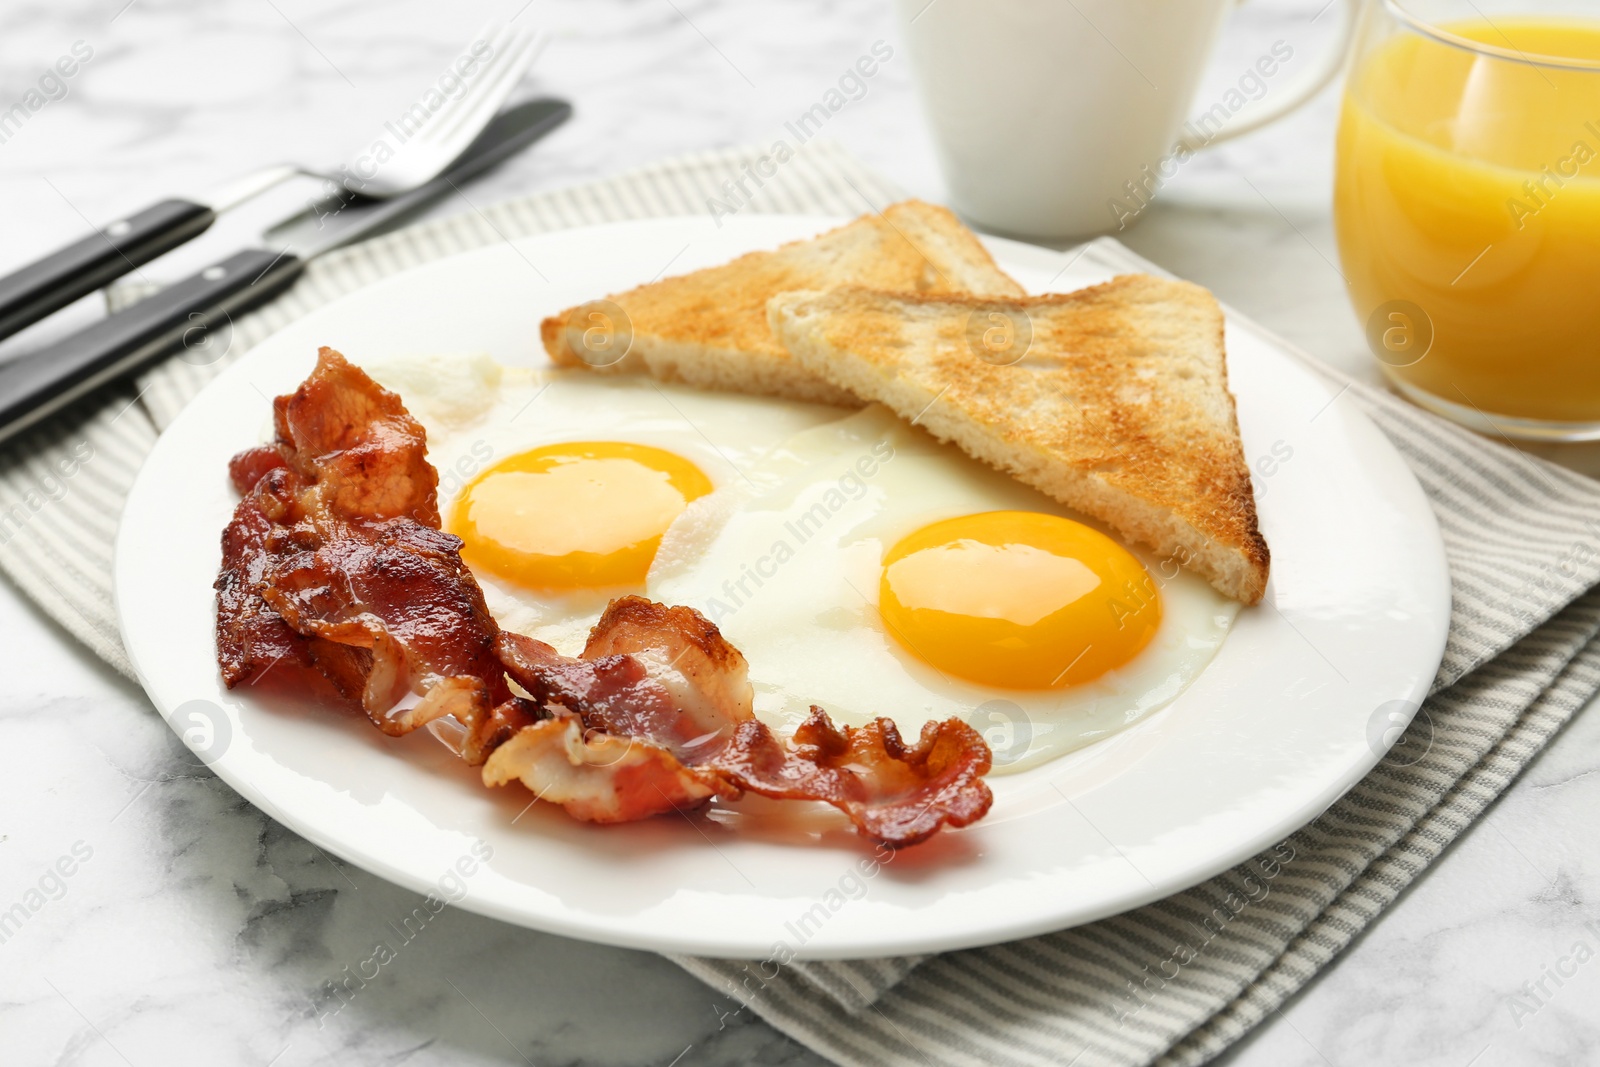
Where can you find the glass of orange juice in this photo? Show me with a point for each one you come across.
(1467, 208)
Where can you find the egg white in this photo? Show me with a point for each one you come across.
(786, 561)
(785, 555)
(478, 412)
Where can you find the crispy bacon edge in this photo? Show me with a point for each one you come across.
(665, 679)
(334, 564)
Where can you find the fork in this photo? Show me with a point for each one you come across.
(418, 152)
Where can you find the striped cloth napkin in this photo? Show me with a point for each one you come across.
(1173, 982)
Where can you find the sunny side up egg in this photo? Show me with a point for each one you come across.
(866, 567)
(561, 483)
(858, 564)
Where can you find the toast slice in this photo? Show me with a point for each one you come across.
(1113, 400)
(709, 328)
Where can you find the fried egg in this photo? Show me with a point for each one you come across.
(863, 566)
(560, 483)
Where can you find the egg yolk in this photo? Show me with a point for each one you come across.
(574, 515)
(1018, 599)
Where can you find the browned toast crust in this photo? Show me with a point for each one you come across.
(709, 327)
(1119, 408)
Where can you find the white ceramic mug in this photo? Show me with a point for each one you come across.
(1061, 118)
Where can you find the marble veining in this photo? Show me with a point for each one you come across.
(168, 921)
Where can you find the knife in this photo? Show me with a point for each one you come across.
(44, 287)
(40, 383)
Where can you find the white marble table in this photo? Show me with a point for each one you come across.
(192, 929)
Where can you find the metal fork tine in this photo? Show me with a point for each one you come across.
(448, 119)
(492, 91)
(486, 97)
(494, 38)
(444, 134)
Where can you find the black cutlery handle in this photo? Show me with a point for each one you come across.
(49, 284)
(189, 313)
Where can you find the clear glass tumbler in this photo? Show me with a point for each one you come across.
(1467, 208)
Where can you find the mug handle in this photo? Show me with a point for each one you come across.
(1308, 84)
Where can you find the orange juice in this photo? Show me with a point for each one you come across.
(1468, 187)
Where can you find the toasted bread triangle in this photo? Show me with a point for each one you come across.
(1113, 400)
(709, 328)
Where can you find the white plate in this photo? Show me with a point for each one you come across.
(1290, 714)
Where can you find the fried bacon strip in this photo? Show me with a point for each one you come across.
(334, 567)
(252, 639)
(334, 558)
(666, 680)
